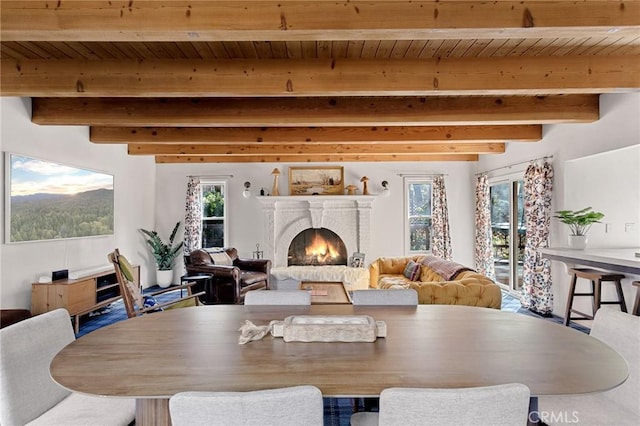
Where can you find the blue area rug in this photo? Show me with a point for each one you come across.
(337, 411)
(116, 312)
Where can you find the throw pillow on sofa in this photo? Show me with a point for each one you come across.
(412, 270)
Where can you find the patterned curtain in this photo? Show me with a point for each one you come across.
(193, 216)
(536, 289)
(441, 238)
(484, 236)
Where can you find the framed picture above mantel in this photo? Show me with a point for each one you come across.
(316, 180)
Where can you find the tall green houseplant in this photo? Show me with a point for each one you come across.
(164, 253)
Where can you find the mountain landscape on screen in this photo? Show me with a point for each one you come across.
(51, 216)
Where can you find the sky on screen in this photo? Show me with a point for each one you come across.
(33, 176)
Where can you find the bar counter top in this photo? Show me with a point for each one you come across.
(613, 259)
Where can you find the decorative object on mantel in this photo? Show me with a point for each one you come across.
(579, 222)
(274, 190)
(316, 180)
(365, 188)
(351, 189)
(165, 255)
(317, 328)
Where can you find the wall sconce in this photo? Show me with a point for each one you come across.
(385, 189)
(247, 191)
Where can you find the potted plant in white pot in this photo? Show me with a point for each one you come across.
(579, 222)
(165, 255)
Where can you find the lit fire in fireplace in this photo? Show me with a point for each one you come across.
(317, 247)
(321, 251)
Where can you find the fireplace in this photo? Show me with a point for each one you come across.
(348, 216)
(316, 247)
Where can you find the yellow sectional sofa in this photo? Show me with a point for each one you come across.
(437, 282)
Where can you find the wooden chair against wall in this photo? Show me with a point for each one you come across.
(134, 300)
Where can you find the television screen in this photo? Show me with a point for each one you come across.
(49, 201)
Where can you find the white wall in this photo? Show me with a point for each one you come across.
(246, 218)
(588, 183)
(618, 127)
(134, 184)
(153, 196)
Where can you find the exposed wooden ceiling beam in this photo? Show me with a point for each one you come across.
(315, 135)
(158, 20)
(305, 149)
(463, 77)
(334, 112)
(329, 158)
(320, 77)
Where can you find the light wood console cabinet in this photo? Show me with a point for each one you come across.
(79, 296)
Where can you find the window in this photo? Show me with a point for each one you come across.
(214, 214)
(418, 215)
(508, 230)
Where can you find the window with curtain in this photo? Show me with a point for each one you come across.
(214, 214)
(418, 217)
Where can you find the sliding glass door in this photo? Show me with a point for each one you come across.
(508, 229)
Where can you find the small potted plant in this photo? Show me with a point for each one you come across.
(165, 255)
(579, 222)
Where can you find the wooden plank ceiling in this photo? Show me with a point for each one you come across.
(314, 80)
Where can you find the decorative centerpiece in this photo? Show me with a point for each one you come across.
(165, 255)
(317, 328)
(329, 328)
(579, 222)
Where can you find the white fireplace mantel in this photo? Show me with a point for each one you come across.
(349, 216)
(270, 199)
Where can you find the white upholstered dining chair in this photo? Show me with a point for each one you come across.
(293, 406)
(394, 297)
(28, 394)
(277, 297)
(502, 405)
(619, 406)
(385, 297)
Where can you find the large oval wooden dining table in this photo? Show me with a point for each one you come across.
(154, 356)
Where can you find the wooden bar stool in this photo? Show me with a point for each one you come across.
(636, 306)
(597, 278)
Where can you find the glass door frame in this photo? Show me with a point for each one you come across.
(515, 182)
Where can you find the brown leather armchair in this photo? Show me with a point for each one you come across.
(12, 316)
(231, 282)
